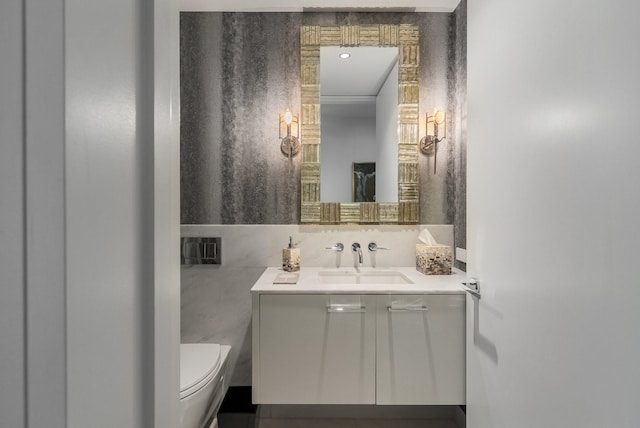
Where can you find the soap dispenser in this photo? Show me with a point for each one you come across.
(291, 258)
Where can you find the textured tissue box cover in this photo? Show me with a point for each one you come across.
(291, 259)
(433, 259)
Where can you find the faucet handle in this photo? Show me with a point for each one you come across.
(338, 247)
(374, 247)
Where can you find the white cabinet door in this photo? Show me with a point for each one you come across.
(421, 349)
(316, 349)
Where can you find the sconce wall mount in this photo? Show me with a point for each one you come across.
(427, 144)
(289, 134)
(436, 132)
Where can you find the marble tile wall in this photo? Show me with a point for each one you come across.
(216, 302)
(239, 70)
(215, 307)
(261, 245)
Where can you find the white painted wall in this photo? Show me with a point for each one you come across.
(166, 212)
(122, 219)
(387, 139)
(12, 299)
(90, 283)
(44, 142)
(348, 135)
(553, 224)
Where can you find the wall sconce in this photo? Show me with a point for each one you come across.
(436, 132)
(290, 143)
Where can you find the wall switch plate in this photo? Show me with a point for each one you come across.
(461, 255)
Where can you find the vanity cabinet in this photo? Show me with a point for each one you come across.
(359, 349)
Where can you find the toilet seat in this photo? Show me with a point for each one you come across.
(199, 364)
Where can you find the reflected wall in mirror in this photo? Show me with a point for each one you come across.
(359, 114)
(326, 114)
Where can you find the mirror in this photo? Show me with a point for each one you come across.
(395, 199)
(358, 117)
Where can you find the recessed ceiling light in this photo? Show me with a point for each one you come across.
(345, 55)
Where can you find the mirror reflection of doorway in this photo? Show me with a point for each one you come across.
(363, 185)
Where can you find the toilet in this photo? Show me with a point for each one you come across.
(203, 383)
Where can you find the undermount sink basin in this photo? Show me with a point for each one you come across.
(376, 277)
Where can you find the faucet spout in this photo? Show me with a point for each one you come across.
(355, 247)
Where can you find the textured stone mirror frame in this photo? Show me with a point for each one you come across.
(406, 210)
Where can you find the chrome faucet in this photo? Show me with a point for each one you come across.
(355, 247)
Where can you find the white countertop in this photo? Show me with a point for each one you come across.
(310, 283)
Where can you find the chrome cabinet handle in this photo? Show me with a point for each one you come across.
(338, 247)
(472, 287)
(408, 309)
(344, 309)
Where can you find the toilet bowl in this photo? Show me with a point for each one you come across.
(203, 383)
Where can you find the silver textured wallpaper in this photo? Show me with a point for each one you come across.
(240, 70)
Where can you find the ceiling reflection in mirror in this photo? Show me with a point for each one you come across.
(359, 110)
(334, 117)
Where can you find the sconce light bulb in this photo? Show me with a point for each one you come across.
(345, 55)
(288, 117)
(438, 116)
